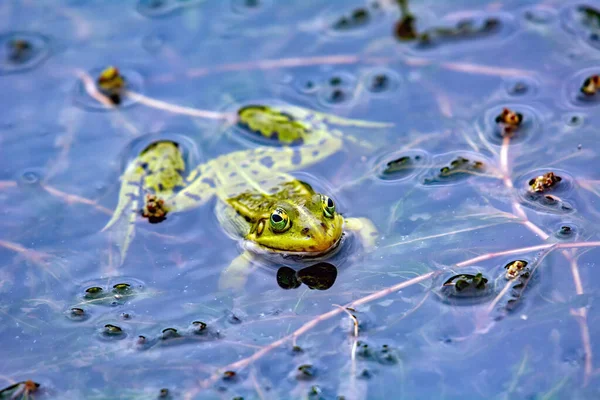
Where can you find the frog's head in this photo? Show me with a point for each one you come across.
(311, 225)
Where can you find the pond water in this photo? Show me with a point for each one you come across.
(478, 171)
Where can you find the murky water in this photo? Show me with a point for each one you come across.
(482, 184)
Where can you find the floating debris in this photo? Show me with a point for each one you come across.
(386, 355)
(229, 376)
(164, 394)
(400, 165)
(591, 16)
(467, 281)
(169, 333)
(464, 29)
(121, 288)
(112, 84)
(358, 18)
(460, 167)
(19, 50)
(199, 327)
(514, 269)
(77, 314)
(305, 372)
(111, 330)
(544, 182)
(94, 292)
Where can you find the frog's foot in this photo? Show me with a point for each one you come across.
(236, 274)
(154, 209)
(124, 229)
(366, 230)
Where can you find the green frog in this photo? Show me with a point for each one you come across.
(258, 201)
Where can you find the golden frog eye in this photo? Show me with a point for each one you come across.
(328, 206)
(279, 220)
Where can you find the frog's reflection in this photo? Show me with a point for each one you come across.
(320, 276)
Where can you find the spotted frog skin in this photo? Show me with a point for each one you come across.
(258, 200)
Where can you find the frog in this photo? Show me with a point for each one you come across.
(258, 200)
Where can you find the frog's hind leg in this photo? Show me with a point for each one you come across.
(236, 274)
(201, 186)
(131, 187)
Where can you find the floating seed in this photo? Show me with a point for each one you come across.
(305, 371)
(112, 330)
(233, 319)
(229, 375)
(199, 327)
(77, 312)
(335, 81)
(365, 374)
(297, 349)
(163, 394)
(337, 96)
(169, 333)
(121, 288)
(314, 391)
(379, 83)
(93, 292)
(360, 16)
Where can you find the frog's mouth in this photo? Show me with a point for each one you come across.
(264, 249)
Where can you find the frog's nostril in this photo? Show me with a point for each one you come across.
(305, 230)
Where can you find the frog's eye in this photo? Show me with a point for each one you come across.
(279, 220)
(328, 206)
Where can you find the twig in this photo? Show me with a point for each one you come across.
(243, 363)
(90, 88)
(193, 112)
(72, 198)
